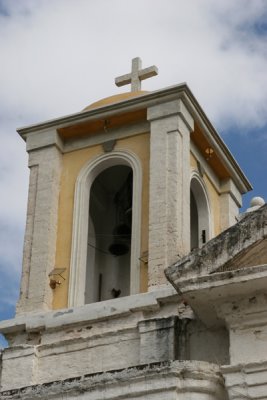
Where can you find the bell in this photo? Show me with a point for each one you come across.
(122, 240)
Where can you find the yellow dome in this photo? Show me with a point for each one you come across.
(114, 99)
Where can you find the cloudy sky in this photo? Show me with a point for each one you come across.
(59, 56)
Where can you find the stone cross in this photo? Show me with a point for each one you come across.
(137, 75)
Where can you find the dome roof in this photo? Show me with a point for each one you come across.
(114, 99)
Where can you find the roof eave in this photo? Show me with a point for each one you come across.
(147, 100)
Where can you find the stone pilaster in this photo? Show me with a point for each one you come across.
(246, 381)
(18, 366)
(230, 202)
(169, 196)
(246, 318)
(41, 229)
(158, 339)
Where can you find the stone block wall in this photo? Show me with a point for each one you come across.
(111, 335)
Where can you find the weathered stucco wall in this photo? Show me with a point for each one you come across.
(171, 380)
(115, 334)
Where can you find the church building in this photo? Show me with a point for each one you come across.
(140, 277)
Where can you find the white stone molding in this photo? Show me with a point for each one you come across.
(172, 380)
(200, 192)
(80, 221)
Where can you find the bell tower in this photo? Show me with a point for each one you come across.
(135, 188)
(120, 191)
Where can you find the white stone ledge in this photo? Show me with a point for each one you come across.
(104, 310)
(205, 294)
(86, 343)
(239, 282)
(151, 381)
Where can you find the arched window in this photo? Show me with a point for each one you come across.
(106, 229)
(109, 235)
(199, 213)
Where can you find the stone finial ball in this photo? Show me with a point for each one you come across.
(257, 202)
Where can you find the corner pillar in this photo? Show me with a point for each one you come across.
(18, 367)
(41, 229)
(230, 202)
(169, 191)
(246, 318)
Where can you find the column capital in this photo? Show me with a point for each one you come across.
(42, 139)
(171, 108)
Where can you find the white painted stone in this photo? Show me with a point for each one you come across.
(41, 229)
(255, 204)
(118, 333)
(109, 309)
(44, 138)
(18, 367)
(169, 233)
(137, 75)
(158, 339)
(246, 319)
(230, 202)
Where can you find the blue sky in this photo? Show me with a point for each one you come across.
(59, 56)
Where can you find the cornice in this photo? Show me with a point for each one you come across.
(144, 101)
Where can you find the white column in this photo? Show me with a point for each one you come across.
(169, 191)
(230, 202)
(41, 229)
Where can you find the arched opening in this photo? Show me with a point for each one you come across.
(109, 235)
(199, 214)
(193, 221)
(86, 226)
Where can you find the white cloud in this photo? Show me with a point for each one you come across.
(58, 56)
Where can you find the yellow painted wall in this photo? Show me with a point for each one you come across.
(73, 162)
(193, 161)
(214, 198)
